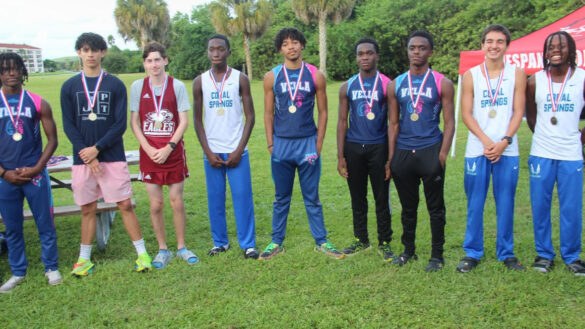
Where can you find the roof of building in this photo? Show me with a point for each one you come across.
(16, 46)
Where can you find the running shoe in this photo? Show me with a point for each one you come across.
(577, 267)
(328, 249)
(356, 247)
(435, 264)
(83, 267)
(251, 253)
(403, 259)
(54, 277)
(386, 251)
(143, 263)
(11, 283)
(543, 265)
(271, 250)
(218, 250)
(467, 264)
(513, 264)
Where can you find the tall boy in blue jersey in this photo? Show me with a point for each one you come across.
(555, 98)
(417, 147)
(22, 169)
(362, 150)
(94, 118)
(492, 106)
(293, 140)
(223, 93)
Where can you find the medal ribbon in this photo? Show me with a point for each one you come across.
(158, 105)
(91, 101)
(420, 88)
(371, 102)
(293, 96)
(493, 97)
(18, 109)
(220, 89)
(554, 102)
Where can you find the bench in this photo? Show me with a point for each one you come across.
(66, 183)
(76, 210)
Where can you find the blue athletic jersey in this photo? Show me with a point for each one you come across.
(110, 108)
(425, 131)
(27, 151)
(301, 123)
(361, 129)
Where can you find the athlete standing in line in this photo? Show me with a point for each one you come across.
(295, 144)
(555, 98)
(417, 147)
(492, 106)
(158, 117)
(224, 94)
(94, 113)
(22, 170)
(362, 148)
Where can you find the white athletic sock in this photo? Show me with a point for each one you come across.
(140, 247)
(85, 251)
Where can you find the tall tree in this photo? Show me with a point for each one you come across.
(250, 17)
(321, 10)
(143, 21)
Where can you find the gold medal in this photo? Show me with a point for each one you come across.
(414, 117)
(554, 120)
(492, 113)
(92, 116)
(157, 124)
(17, 137)
(370, 115)
(220, 111)
(292, 109)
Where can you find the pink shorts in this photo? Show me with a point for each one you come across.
(113, 184)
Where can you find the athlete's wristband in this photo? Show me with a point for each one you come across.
(269, 146)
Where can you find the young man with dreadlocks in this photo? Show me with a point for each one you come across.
(492, 106)
(22, 169)
(554, 101)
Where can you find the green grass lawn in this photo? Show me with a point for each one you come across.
(301, 288)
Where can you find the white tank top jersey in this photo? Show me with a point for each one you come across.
(495, 128)
(563, 140)
(224, 123)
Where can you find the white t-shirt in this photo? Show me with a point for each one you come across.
(563, 140)
(224, 123)
(178, 87)
(495, 128)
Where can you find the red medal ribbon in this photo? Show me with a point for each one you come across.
(18, 109)
(554, 102)
(493, 97)
(91, 101)
(158, 105)
(293, 96)
(420, 88)
(371, 102)
(220, 89)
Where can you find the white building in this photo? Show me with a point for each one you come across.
(33, 59)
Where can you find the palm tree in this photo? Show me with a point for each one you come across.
(143, 21)
(321, 10)
(250, 17)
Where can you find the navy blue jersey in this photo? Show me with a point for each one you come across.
(425, 131)
(361, 129)
(301, 123)
(27, 151)
(108, 129)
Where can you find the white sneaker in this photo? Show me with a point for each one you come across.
(11, 283)
(54, 277)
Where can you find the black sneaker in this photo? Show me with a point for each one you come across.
(251, 253)
(467, 264)
(513, 264)
(403, 259)
(218, 250)
(577, 267)
(386, 251)
(543, 265)
(356, 247)
(435, 264)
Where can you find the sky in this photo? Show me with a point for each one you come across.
(54, 25)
